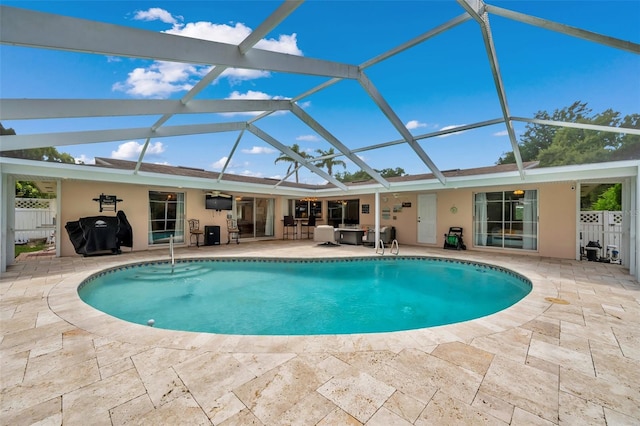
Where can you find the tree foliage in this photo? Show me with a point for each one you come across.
(361, 175)
(330, 162)
(50, 154)
(27, 189)
(293, 163)
(556, 146)
(611, 199)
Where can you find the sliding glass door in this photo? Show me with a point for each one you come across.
(506, 219)
(255, 217)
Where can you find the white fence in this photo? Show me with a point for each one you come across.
(602, 226)
(35, 219)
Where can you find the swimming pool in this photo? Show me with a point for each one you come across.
(303, 296)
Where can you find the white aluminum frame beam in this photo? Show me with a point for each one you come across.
(297, 157)
(329, 137)
(478, 13)
(565, 29)
(263, 29)
(448, 131)
(233, 150)
(49, 31)
(15, 142)
(395, 121)
(586, 126)
(27, 109)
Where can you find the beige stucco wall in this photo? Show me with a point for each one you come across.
(557, 206)
(557, 210)
(77, 202)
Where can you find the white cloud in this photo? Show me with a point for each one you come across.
(132, 149)
(284, 44)
(83, 159)
(308, 138)
(252, 94)
(250, 173)
(414, 124)
(155, 14)
(259, 150)
(218, 165)
(453, 126)
(159, 80)
(501, 133)
(235, 75)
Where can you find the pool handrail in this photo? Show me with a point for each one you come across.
(173, 260)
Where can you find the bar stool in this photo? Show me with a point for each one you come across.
(311, 224)
(289, 222)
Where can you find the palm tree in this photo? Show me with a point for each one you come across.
(329, 162)
(294, 163)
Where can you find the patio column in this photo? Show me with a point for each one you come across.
(7, 220)
(376, 223)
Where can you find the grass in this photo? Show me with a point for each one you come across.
(29, 247)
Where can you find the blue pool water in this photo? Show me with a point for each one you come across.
(304, 297)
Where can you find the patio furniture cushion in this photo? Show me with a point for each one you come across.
(325, 234)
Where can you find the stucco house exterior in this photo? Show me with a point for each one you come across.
(544, 208)
(519, 208)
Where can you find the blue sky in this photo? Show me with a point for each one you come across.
(445, 81)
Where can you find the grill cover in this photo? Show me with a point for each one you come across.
(100, 234)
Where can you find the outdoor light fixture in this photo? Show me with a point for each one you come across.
(518, 192)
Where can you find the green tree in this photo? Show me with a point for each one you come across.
(42, 154)
(387, 173)
(580, 146)
(330, 162)
(294, 163)
(27, 189)
(611, 199)
(539, 136)
(555, 146)
(361, 175)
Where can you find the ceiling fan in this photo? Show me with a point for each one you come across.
(218, 194)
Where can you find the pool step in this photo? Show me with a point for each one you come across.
(178, 271)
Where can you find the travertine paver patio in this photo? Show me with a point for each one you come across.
(537, 362)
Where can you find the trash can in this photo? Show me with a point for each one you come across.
(592, 253)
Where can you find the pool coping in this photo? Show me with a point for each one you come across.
(65, 302)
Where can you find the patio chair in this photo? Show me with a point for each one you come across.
(195, 231)
(289, 222)
(233, 231)
(310, 225)
(326, 235)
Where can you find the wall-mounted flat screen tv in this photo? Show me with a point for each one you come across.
(218, 203)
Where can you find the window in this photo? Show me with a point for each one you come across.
(166, 217)
(506, 219)
(343, 212)
(307, 207)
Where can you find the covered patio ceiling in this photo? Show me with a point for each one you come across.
(49, 31)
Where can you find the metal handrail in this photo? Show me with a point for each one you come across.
(395, 243)
(380, 245)
(173, 260)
